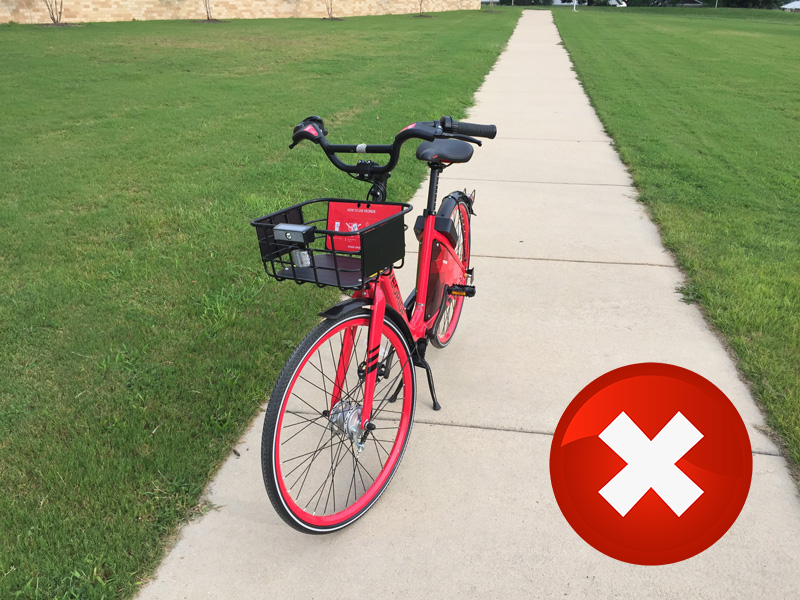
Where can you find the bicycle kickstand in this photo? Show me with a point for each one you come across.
(419, 361)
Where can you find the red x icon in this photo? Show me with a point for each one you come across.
(651, 464)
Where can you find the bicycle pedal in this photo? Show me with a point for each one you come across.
(463, 290)
(470, 276)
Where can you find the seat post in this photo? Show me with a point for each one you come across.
(433, 188)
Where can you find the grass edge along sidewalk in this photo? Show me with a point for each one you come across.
(702, 106)
(139, 333)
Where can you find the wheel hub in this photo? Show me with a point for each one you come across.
(345, 419)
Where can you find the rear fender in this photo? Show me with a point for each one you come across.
(449, 203)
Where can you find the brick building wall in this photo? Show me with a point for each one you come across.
(84, 11)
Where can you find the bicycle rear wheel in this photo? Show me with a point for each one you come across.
(450, 311)
(320, 471)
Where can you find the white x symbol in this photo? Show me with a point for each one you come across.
(651, 464)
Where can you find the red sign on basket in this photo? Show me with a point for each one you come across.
(352, 217)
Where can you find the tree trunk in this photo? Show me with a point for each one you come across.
(56, 9)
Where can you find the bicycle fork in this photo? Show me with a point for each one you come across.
(373, 355)
(343, 415)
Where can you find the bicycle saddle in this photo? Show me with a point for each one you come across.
(445, 151)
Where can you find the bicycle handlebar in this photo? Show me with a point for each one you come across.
(312, 128)
(470, 129)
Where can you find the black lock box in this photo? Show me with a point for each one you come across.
(290, 233)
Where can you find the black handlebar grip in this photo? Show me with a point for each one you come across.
(449, 125)
(475, 130)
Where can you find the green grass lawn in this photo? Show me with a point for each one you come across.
(704, 106)
(138, 333)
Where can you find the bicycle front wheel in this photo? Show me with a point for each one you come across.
(450, 312)
(321, 471)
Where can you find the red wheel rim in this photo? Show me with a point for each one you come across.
(373, 490)
(455, 303)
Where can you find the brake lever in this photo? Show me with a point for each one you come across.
(313, 126)
(466, 138)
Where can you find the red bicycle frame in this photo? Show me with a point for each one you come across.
(385, 290)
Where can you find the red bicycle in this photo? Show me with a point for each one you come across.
(339, 417)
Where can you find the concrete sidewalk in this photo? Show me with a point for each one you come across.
(572, 282)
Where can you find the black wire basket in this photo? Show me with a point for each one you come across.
(331, 241)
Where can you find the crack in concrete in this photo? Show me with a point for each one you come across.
(568, 260)
(535, 432)
(484, 427)
(586, 183)
(577, 260)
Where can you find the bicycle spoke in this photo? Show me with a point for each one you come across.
(352, 481)
(304, 419)
(381, 445)
(396, 377)
(319, 369)
(308, 456)
(345, 386)
(341, 453)
(377, 451)
(316, 411)
(325, 474)
(332, 489)
(312, 384)
(364, 469)
(295, 434)
(385, 401)
(361, 468)
(331, 476)
(304, 474)
(324, 377)
(324, 387)
(350, 391)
